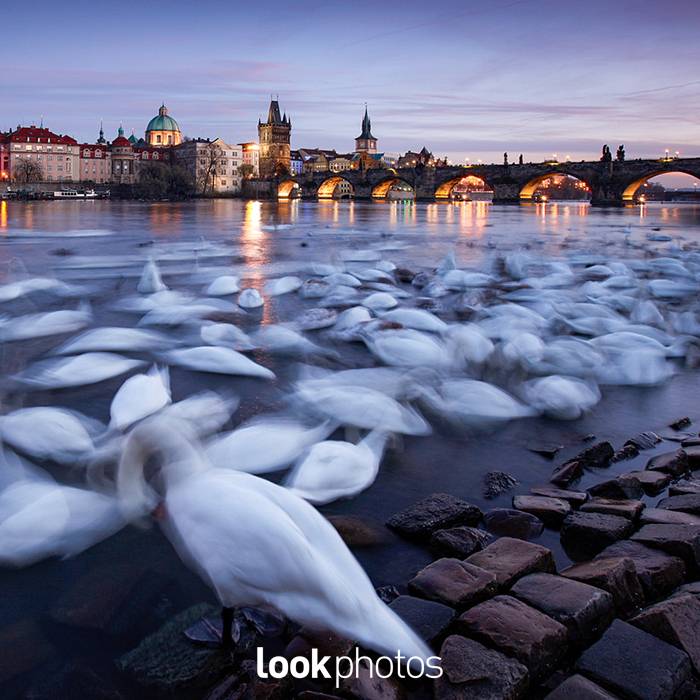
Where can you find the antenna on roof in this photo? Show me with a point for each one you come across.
(41, 123)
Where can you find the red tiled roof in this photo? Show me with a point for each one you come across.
(121, 141)
(92, 147)
(33, 134)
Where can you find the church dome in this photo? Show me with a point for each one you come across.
(162, 122)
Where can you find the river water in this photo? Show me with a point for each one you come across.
(104, 245)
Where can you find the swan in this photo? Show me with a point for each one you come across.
(408, 348)
(41, 325)
(150, 281)
(48, 433)
(218, 360)
(283, 285)
(566, 398)
(264, 444)
(250, 299)
(223, 286)
(418, 319)
(283, 340)
(461, 279)
(380, 301)
(40, 518)
(344, 279)
(256, 544)
(226, 335)
(362, 407)
(315, 319)
(114, 339)
(352, 317)
(205, 412)
(140, 396)
(334, 469)
(80, 370)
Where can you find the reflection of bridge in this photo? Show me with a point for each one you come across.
(611, 183)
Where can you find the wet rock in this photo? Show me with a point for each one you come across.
(167, 662)
(674, 463)
(548, 450)
(616, 576)
(583, 609)
(565, 473)
(328, 643)
(658, 573)
(687, 503)
(436, 512)
(357, 532)
(496, 483)
(364, 684)
(684, 487)
(583, 535)
(24, 648)
(388, 594)
(675, 436)
(453, 582)
(509, 559)
(458, 542)
(693, 455)
(473, 672)
(680, 423)
(513, 523)
(597, 456)
(651, 481)
(518, 630)
(245, 684)
(667, 517)
(677, 622)
(404, 275)
(551, 511)
(624, 486)
(626, 452)
(575, 498)
(689, 588)
(625, 508)
(644, 441)
(679, 540)
(578, 687)
(428, 619)
(636, 664)
(691, 441)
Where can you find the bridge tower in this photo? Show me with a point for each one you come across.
(274, 136)
(365, 142)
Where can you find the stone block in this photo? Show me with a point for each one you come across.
(551, 511)
(583, 535)
(428, 619)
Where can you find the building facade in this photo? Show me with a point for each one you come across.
(163, 130)
(214, 165)
(51, 157)
(250, 154)
(274, 136)
(4, 158)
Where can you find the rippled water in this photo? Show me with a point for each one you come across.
(104, 244)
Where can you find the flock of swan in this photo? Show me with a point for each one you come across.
(471, 349)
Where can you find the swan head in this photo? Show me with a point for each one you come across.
(174, 443)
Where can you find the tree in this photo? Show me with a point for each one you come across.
(246, 171)
(27, 171)
(207, 167)
(161, 181)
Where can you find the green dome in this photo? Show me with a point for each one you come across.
(162, 122)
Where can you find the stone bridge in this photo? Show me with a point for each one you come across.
(611, 183)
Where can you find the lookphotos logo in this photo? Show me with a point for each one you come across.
(338, 668)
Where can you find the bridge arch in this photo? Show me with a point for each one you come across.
(288, 189)
(629, 194)
(528, 190)
(383, 188)
(445, 190)
(335, 187)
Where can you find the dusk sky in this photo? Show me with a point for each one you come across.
(468, 78)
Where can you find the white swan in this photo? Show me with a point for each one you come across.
(566, 398)
(334, 469)
(150, 281)
(380, 301)
(223, 286)
(41, 325)
(226, 335)
(282, 340)
(140, 396)
(418, 319)
(257, 544)
(217, 360)
(48, 433)
(114, 339)
(250, 299)
(283, 285)
(88, 368)
(264, 444)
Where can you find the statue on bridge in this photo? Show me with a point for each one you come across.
(505, 159)
(607, 155)
(520, 159)
(620, 155)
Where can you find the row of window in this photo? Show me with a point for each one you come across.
(36, 147)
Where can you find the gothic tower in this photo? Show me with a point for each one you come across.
(365, 142)
(274, 137)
